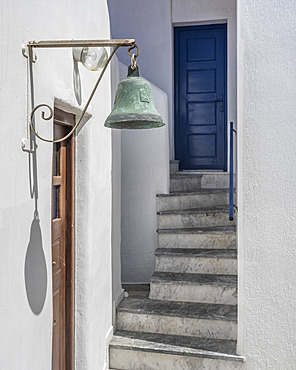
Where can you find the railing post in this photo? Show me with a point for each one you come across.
(231, 174)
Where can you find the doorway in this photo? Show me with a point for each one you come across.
(201, 97)
(63, 252)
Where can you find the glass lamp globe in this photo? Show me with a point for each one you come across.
(92, 58)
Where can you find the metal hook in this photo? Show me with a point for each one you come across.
(131, 48)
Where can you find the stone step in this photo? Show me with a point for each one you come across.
(193, 218)
(219, 237)
(201, 261)
(178, 318)
(199, 288)
(136, 350)
(174, 166)
(182, 182)
(209, 179)
(187, 200)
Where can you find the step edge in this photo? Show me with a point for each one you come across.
(185, 176)
(182, 282)
(174, 350)
(171, 281)
(146, 313)
(220, 230)
(193, 211)
(200, 316)
(169, 252)
(195, 192)
(204, 172)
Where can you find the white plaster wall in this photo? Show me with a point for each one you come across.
(117, 290)
(145, 173)
(26, 324)
(267, 177)
(149, 22)
(152, 22)
(195, 12)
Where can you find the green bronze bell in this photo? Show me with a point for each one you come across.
(134, 106)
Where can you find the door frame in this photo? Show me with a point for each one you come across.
(68, 120)
(205, 25)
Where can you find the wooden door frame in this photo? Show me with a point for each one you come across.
(68, 120)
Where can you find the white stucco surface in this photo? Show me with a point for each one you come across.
(267, 177)
(26, 319)
(145, 173)
(117, 290)
(149, 22)
(152, 23)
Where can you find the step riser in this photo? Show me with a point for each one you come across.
(222, 266)
(179, 202)
(185, 184)
(203, 241)
(218, 329)
(218, 181)
(125, 359)
(202, 181)
(178, 221)
(192, 293)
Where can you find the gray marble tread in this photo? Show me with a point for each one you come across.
(174, 344)
(185, 176)
(194, 279)
(201, 230)
(216, 209)
(204, 311)
(198, 253)
(195, 192)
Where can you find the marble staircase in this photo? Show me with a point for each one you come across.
(187, 318)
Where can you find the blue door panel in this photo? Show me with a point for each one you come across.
(200, 97)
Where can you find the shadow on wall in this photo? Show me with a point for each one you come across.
(35, 265)
(35, 268)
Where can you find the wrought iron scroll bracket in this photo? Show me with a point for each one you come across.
(70, 43)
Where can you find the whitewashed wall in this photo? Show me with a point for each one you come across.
(26, 320)
(145, 173)
(149, 22)
(117, 291)
(267, 178)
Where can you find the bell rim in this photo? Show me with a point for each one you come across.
(134, 121)
(134, 125)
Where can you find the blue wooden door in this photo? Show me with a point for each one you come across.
(200, 97)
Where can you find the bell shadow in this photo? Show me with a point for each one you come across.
(35, 269)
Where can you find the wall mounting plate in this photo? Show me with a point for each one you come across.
(28, 146)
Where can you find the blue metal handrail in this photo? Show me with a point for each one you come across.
(231, 203)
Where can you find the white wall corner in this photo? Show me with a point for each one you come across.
(116, 302)
(108, 339)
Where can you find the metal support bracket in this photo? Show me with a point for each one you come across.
(28, 50)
